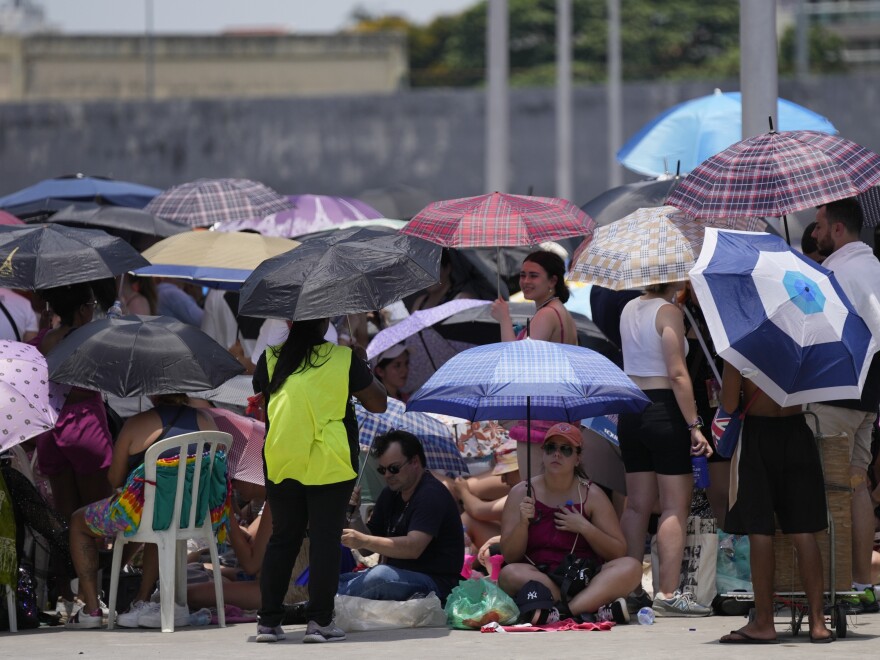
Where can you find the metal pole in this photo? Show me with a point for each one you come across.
(758, 66)
(564, 146)
(149, 53)
(615, 95)
(802, 42)
(497, 103)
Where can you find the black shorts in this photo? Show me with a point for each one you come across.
(780, 478)
(657, 439)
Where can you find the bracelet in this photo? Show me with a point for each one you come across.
(696, 424)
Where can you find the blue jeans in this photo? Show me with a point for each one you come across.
(385, 582)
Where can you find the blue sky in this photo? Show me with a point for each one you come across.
(215, 15)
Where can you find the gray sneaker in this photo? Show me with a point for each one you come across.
(679, 604)
(268, 634)
(316, 634)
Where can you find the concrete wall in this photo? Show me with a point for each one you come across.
(63, 67)
(342, 145)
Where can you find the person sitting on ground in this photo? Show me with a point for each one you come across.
(482, 517)
(171, 416)
(777, 477)
(392, 370)
(566, 515)
(415, 526)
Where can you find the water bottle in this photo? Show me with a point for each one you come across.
(700, 466)
(646, 616)
(200, 617)
(115, 311)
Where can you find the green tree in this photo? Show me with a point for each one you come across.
(825, 51)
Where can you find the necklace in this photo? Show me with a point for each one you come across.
(545, 303)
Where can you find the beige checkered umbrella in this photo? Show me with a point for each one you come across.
(649, 246)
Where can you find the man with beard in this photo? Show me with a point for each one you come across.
(415, 526)
(838, 225)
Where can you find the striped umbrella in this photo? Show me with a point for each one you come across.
(204, 202)
(245, 457)
(498, 219)
(774, 174)
(651, 246)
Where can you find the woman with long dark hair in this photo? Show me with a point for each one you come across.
(310, 460)
(542, 280)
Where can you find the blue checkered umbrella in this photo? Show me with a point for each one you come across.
(781, 319)
(557, 381)
(441, 452)
(528, 379)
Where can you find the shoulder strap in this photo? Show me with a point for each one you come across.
(749, 404)
(11, 322)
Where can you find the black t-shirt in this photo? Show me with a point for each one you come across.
(359, 377)
(431, 510)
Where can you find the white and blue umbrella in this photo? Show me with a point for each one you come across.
(509, 379)
(781, 319)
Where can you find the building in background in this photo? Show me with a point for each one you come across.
(59, 67)
(856, 22)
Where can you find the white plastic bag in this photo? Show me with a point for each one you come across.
(353, 613)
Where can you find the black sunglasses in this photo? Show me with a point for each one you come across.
(394, 468)
(550, 448)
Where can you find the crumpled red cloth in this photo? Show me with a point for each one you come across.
(565, 624)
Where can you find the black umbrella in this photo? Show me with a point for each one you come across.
(619, 202)
(118, 220)
(140, 356)
(46, 256)
(354, 270)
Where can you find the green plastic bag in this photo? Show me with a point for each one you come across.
(474, 603)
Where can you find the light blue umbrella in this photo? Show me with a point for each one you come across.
(781, 319)
(691, 132)
(528, 379)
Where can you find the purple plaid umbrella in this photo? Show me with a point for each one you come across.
(774, 174)
(307, 214)
(29, 401)
(416, 322)
(205, 202)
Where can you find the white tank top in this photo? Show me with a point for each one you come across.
(640, 341)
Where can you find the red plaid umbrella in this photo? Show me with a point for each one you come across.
(774, 174)
(497, 220)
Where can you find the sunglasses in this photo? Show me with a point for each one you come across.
(551, 448)
(394, 468)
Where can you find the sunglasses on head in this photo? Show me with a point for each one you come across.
(550, 448)
(394, 468)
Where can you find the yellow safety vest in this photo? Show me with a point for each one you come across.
(307, 440)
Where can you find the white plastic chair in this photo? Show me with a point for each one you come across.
(10, 606)
(172, 541)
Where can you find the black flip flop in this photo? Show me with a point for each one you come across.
(822, 640)
(745, 638)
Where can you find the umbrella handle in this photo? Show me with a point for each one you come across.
(528, 446)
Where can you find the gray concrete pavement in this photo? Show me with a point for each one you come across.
(667, 638)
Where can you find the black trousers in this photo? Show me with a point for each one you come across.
(295, 509)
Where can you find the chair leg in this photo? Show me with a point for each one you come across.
(180, 572)
(10, 606)
(218, 583)
(115, 569)
(167, 553)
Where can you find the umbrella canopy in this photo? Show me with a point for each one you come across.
(441, 452)
(9, 219)
(781, 319)
(233, 394)
(650, 246)
(553, 381)
(416, 323)
(245, 457)
(774, 174)
(46, 256)
(870, 201)
(308, 213)
(619, 202)
(212, 258)
(117, 218)
(691, 132)
(204, 202)
(355, 270)
(497, 220)
(141, 356)
(77, 188)
(31, 403)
